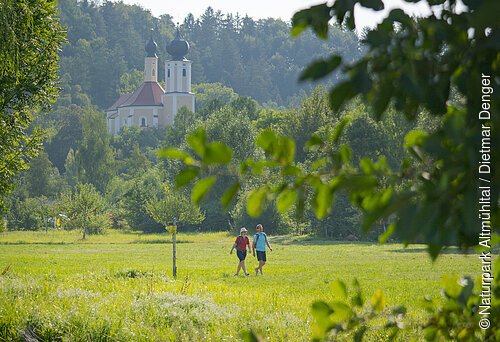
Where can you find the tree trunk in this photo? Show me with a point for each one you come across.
(84, 223)
(174, 256)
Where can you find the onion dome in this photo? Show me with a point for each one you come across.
(151, 47)
(178, 47)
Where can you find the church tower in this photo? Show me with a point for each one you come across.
(150, 105)
(151, 61)
(178, 78)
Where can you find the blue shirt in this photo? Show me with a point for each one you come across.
(260, 244)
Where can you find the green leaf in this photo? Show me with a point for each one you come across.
(366, 164)
(340, 94)
(314, 141)
(360, 332)
(451, 285)
(430, 333)
(357, 299)
(398, 15)
(217, 153)
(197, 141)
(339, 128)
(339, 289)
(173, 153)
(185, 176)
(316, 16)
(382, 97)
(286, 150)
(434, 250)
(467, 289)
(229, 194)
(291, 170)
(399, 310)
(376, 5)
(320, 68)
(415, 138)
(266, 139)
(285, 200)
(345, 153)
(359, 182)
(256, 201)
(440, 2)
(321, 312)
(249, 336)
(341, 312)
(378, 300)
(201, 188)
(387, 234)
(323, 200)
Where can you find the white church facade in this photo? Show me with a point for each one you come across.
(150, 105)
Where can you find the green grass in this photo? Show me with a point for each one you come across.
(118, 287)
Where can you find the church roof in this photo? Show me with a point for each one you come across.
(119, 102)
(148, 94)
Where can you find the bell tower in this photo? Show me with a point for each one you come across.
(151, 61)
(178, 78)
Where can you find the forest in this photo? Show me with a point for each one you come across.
(322, 136)
(245, 75)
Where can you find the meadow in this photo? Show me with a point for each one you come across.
(119, 287)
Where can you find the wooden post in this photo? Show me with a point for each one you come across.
(174, 249)
(84, 223)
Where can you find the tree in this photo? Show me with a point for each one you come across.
(433, 198)
(86, 209)
(130, 81)
(414, 65)
(211, 97)
(94, 157)
(134, 198)
(31, 38)
(30, 213)
(173, 207)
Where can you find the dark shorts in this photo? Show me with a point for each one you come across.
(261, 256)
(241, 255)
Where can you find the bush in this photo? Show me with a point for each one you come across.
(31, 213)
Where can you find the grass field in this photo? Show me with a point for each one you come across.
(118, 287)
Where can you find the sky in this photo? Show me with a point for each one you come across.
(258, 9)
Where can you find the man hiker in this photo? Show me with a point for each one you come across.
(241, 244)
(259, 244)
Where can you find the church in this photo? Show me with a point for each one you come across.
(151, 105)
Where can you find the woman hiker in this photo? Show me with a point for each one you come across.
(259, 243)
(241, 244)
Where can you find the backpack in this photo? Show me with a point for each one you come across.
(238, 240)
(258, 235)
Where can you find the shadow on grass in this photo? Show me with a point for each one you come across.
(314, 240)
(157, 241)
(85, 242)
(423, 249)
(35, 243)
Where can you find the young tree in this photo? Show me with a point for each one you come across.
(30, 37)
(172, 209)
(86, 209)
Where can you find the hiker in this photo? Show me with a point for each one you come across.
(241, 244)
(259, 244)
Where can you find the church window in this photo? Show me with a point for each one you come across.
(168, 73)
(184, 72)
(153, 72)
(143, 122)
